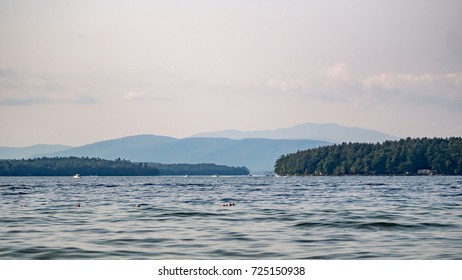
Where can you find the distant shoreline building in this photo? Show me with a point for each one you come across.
(426, 172)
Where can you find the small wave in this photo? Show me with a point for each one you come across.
(198, 185)
(438, 225)
(13, 188)
(178, 184)
(193, 185)
(259, 185)
(14, 193)
(132, 241)
(391, 225)
(199, 201)
(373, 184)
(220, 253)
(254, 190)
(305, 241)
(107, 185)
(383, 225)
(310, 224)
(189, 214)
(451, 194)
(48, 253)
(371, 225)
(282, 195)
(110, 186)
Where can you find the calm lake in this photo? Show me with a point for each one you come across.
(273, 218)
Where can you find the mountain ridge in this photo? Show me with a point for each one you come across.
(329, 132)
(256, 154)
(27, 152)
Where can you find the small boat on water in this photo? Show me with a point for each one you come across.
(216, 175)
(76, 176)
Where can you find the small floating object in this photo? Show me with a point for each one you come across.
(23, 205)
(228, 204)
(77, 205)
(138, 205)
(76, 176)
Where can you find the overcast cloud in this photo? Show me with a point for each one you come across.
(75, 72)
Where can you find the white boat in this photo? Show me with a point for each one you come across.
(216, 175)
(76, 176)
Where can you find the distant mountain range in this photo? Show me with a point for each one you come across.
(332, 133)
(255, 154)
(27, 152)
(257, 150)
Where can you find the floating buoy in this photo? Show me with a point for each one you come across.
(23, 205)
(228, 204)
(77, 205)
(138, 205)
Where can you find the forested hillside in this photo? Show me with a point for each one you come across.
(67, 166)
(198, 169)
(403, 157)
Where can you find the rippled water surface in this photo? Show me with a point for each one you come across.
(273, 218)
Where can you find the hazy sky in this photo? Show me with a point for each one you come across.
(76, 72)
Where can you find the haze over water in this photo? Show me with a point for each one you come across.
(273, 218)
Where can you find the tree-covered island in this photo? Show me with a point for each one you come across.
(68, 166)
(403, 157)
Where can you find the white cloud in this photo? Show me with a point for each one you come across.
(334, 75)
(78, 35)
(19, 88)
(141, 95)
(134, 95)
(11, 99)
(430, 90)
(338, 71)
(289, 84)
(392, 81)
(337, 83)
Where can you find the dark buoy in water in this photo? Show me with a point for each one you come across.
(138, 205)
(228, 204)
(23, 205)
(77, 205)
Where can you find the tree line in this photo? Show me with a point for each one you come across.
(68, 166)
(403, 157)
(198, 169)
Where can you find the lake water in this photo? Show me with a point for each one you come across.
(273, 218)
